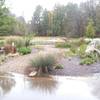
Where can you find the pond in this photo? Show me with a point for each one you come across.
(18, 87)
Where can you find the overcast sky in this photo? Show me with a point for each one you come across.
(26, 7)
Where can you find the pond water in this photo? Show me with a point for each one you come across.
(18, 87)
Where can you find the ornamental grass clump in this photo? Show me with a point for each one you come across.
(43, 63)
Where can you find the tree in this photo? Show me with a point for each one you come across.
(6, 20)
(36, 20)
(45, 22)
(90, 30)
(58, 19)
(71, 20)
(98, 19)
(20, 26)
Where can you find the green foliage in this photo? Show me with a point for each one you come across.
(70, 54)
(90, 30)
(81, 51)
(59, 66)
(73, 49)
(43, 60)
(62, 45)
(24, 50)
(89, 59)
(7, 21)
(27, 39)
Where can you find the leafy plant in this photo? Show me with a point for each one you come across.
(24, 50)
(59, 66)
(81, 50)
(89, 59)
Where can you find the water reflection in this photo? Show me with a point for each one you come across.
(44, 84)
(6, 83)
(96, 87)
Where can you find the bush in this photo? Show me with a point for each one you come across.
(73, 50)
(89, 59)
(81, 51)
(24, 50)
(45, 62)
(63, 45)
(27, 39)
(59, 66)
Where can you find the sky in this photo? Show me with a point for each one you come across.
(26, 7)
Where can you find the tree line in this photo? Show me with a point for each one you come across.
(71, 20)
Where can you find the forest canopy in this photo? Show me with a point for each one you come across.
(69, 20)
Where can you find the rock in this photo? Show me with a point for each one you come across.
(13, 55)
(93, 46)
(32, 74)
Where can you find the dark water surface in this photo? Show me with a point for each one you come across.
(18, 87)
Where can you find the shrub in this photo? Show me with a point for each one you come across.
(45, 62)
(27, 39)
(63, 45)
(81, 51)
(24, 50)
(73, 50)
(59, 66)
(89, 59)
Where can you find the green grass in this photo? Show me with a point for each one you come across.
(62, 45)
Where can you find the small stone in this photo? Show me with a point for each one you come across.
(32, 74)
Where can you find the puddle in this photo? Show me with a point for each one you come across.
(18, 87)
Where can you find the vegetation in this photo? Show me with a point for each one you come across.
(62, 45)
(24, 50)
(43, 63)
(70, 20)
(90, 30)
(89, 59)
(59, 66)
(2, 58)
